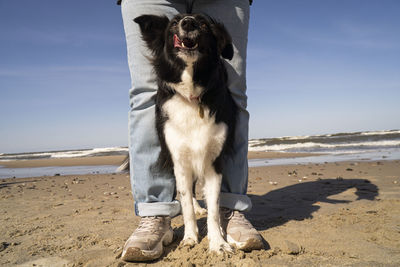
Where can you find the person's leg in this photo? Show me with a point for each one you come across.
(153, 192)
(234, 14)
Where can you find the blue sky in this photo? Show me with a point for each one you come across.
(314, 67)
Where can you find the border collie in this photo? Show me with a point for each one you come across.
(195, 112)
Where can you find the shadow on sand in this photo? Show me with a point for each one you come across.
(296, 202)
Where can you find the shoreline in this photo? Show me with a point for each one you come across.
(109, 164)
(117, 160)
(98, 164)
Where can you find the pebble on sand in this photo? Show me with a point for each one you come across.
(3, 245)
(291, 248)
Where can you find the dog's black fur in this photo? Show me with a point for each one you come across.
(214, 43)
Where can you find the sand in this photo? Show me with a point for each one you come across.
(334, 214)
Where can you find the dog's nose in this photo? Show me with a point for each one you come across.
(189, 24)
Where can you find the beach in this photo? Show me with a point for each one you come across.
(323, 214)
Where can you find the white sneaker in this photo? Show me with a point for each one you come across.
(239, 231)
(146, 242)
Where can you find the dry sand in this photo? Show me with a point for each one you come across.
(336, 214)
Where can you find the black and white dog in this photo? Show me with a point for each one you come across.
(195, 112)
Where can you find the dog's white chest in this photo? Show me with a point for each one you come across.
(186, 87)
(192, 140)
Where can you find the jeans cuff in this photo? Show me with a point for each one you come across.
(235, 201)
(171, 209)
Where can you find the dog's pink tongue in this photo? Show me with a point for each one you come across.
(177, 41)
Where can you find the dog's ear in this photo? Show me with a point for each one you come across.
(225, 47)
(153, 28)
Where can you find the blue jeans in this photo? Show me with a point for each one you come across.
(154, 192)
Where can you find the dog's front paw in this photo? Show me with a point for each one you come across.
(220, 247)
(189, 242)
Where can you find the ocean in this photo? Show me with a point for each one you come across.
(358, 142)
(76, 153)
(356, 146)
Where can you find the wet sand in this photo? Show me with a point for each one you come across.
(331, 214)
(116, 160)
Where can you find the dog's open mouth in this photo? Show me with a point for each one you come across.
(185, 43)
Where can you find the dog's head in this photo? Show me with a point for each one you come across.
(188, 37)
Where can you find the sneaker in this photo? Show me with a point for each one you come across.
(146, 242)
(239, 231)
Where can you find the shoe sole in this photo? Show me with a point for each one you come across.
(249, 245)
(137, 254)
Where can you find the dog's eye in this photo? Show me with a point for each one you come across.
(174, 23)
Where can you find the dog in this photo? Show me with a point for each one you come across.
(195, 111)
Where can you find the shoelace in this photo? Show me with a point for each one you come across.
(240, 219)
(235, 217)
(149, 224)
